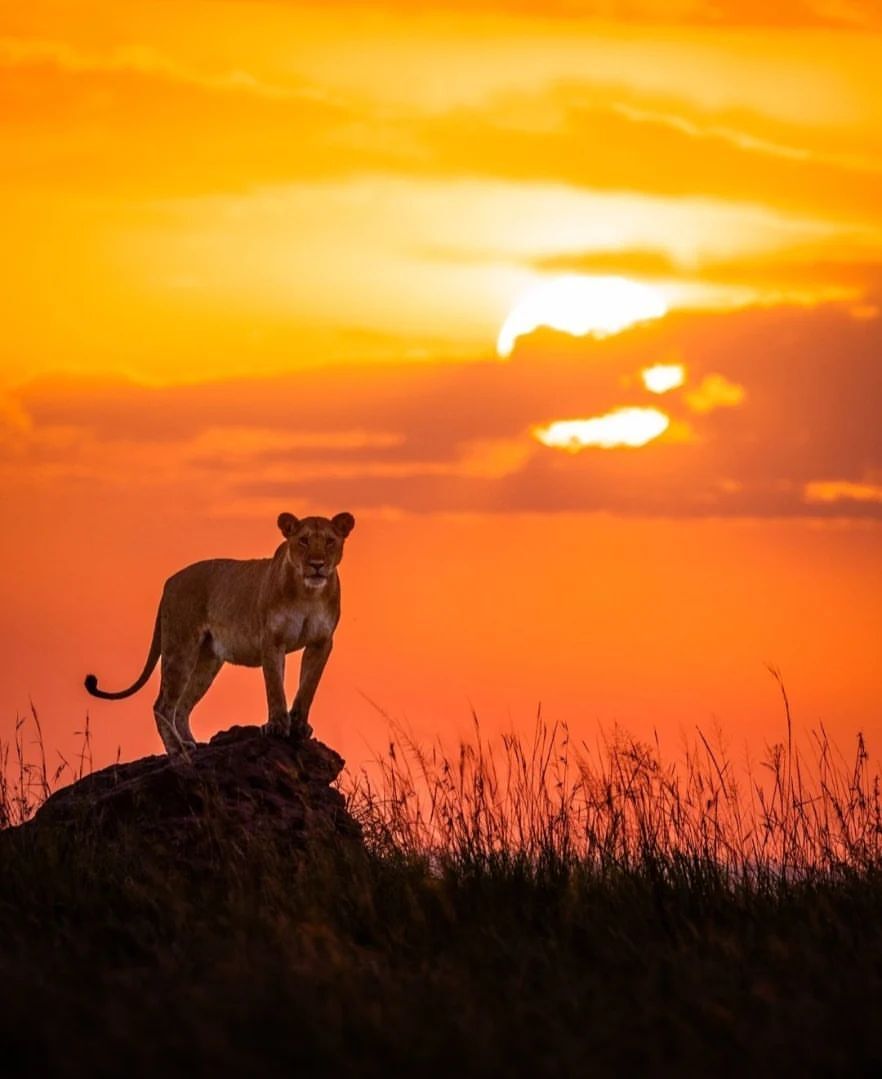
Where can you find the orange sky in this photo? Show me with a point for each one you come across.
(258, 256)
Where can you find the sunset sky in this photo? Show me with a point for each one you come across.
(274, 256)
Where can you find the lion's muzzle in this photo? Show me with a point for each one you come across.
(315, 574)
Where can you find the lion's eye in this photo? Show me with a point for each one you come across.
(329, 542)
(303, 541)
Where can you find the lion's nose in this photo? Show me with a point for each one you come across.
(317, 564)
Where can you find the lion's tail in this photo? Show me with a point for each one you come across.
(91, 682)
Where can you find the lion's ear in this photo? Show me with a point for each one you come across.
(343, 523)
(287, 523)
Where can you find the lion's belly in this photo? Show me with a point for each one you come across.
(293, 630)
(235, 648)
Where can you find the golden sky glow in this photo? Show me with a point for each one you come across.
(236, 188)
(267, 255)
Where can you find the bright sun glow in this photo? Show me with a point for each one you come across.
(662, 377)
(621, 427)
(580, 305)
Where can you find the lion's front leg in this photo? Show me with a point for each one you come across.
(315, 656)
(273, 663)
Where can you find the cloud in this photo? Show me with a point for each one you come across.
(135, 121)
(827, 491)
(841, 14)
(611, 137)
(232, 443)
(169, 127)
(804, 440)
(140, 60)
(15, 423)
(845, 267)
(714, 391)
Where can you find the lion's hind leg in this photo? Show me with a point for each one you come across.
(207, 667)
(178, 666)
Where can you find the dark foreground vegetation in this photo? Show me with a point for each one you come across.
(537, 911)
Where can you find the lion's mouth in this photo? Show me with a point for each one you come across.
(317, 577)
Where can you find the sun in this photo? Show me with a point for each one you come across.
(580, 305)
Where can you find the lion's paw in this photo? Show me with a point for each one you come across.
(278, 727)
(300, 729)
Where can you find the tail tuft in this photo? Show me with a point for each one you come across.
(91, 682)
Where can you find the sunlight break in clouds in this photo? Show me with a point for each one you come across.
(621, 427)
(662, 377)
(580, 305)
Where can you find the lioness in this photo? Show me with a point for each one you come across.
(250, 613)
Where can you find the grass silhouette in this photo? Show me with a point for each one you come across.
(523, 904)
(542, 802)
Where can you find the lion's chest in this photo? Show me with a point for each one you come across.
(296, 628)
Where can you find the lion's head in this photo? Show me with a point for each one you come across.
(315, 545)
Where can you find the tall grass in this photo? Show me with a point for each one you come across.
(26, 776)
(548, 802)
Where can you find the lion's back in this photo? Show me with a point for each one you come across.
(214, 591)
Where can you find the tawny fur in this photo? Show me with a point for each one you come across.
(250, 613)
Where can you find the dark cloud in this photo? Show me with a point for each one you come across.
(812, 381)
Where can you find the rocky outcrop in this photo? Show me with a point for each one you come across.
(243, 785)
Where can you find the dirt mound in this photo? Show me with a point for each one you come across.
(242, 785)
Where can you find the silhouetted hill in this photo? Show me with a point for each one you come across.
(241, 786)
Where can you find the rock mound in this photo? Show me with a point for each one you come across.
(242, 785)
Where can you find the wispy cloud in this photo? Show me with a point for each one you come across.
(793, 14)
(144, 60)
